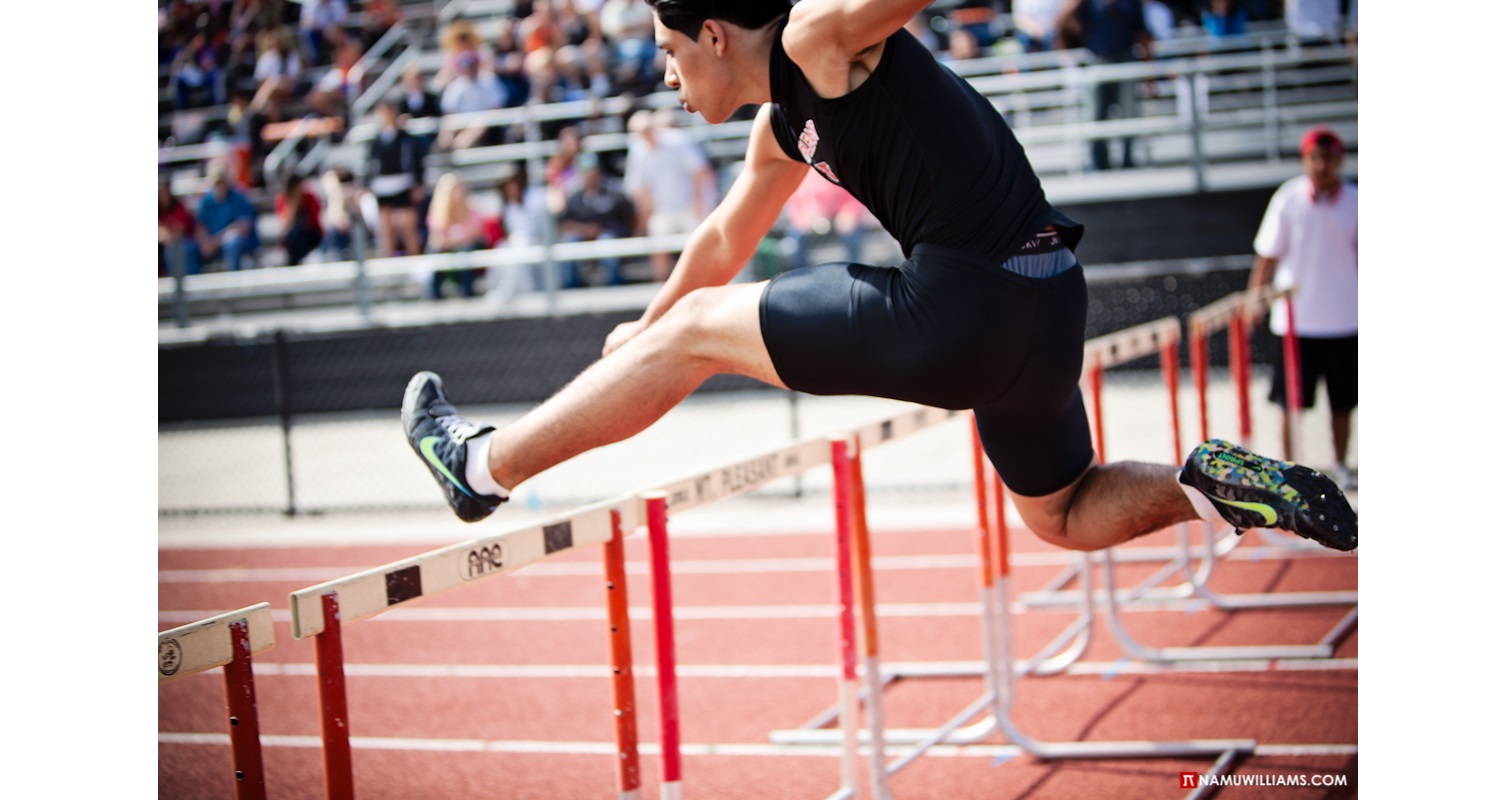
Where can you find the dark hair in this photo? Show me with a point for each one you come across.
(687, 16)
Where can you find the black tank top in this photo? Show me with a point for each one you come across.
(929, 156)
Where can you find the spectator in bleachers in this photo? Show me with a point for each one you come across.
(523, 219)
(298, 212)
(316, 19)
(453, 227)
(540, 29)
(394, 176)
(227, 228)
(629, 26)
(278, 59)
(597, 211)
(459, 38)
(1114, 31)
(472, 89)
(980, 18)
(1160, 20)
(510, 63)
(1224, 18)
(196, 76)
(963, 46)
(343, 83)
(820, 209)
(418, 101)
(380, 16)
(562, 168)
(1036, 23)
(177, 234)
(669, 179)
(339, 188)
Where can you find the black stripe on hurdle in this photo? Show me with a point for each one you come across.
(557, 537)
(404, 584)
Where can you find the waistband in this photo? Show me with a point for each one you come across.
(1045, 256)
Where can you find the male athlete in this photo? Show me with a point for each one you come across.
(986, 313)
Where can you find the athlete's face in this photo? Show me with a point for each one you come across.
(694, 69)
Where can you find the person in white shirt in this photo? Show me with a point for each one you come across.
(1308, 241)
(669, 179)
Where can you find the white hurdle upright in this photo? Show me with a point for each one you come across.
(228, 641)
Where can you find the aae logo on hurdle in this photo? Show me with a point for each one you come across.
(170, 657)
(1196, 780)
(481, 561)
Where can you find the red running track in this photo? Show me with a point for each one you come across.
(501, 689)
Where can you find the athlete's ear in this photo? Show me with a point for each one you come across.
(712, 32)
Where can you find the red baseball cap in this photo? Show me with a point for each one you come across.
(1320, 136)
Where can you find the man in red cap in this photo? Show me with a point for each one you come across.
(1308, 240)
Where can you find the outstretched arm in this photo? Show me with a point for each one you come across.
(726, 239)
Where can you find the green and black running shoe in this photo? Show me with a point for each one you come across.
(438, 435)
(1251, 491)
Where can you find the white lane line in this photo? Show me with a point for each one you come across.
(733, 566)
(787, 671)
(528, 746)
(689, 613)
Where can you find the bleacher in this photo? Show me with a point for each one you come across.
(1215, 115)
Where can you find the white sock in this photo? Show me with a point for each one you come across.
(1204, 506)
(477, 468)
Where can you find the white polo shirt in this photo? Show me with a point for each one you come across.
(1315, 243)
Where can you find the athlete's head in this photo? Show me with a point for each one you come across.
(703, 41)
(687, 16)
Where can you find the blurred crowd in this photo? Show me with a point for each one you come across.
(249, 73)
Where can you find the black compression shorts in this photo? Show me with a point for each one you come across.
(948, 330)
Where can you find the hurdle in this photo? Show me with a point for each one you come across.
(322, 610)
(228, 641)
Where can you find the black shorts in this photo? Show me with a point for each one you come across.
(948, 330)
(1336, 359)
(399, 200)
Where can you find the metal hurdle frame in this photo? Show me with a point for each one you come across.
(321, 611)
(228, 641)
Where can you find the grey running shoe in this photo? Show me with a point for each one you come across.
(437, 433)
(1251, 491)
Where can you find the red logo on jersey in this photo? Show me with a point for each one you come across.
(808, 140)
(827, 172)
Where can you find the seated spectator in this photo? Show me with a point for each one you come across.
(471, 90)
(332, 96)
(820, 209)
(453, 227)
(597, 211)
(316, 19)
(458, 38)
(629, 26)
(394, 176)
(1036, 23)
(380, 16)
(980, 18)
(510, 63)
(196, 76)
(278, 59)
(1224, 18)
(540, 29)
(177, 235)
(227, 223)
(418, 101)
(562, 171)
(340, 209)
(298, 211)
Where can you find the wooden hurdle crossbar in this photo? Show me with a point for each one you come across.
(228, 641)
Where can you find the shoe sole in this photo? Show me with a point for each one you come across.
(1313, 507)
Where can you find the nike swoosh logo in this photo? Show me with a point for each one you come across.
(425, 446)
(1269, 515)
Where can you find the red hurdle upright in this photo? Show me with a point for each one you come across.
(670, 715)
(228, 641)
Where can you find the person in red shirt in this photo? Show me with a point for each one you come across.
(299, 211)
(177, 234)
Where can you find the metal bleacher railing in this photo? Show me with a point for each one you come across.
(1217, 113)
